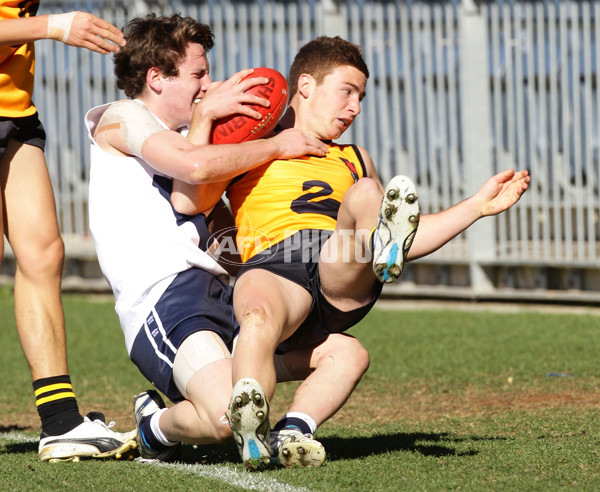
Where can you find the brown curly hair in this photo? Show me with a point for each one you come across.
(159, 42)
(323, 54)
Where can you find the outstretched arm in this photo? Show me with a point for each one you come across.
(80, 29)
(498, 194)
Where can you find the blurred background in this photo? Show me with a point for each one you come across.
(459, 90)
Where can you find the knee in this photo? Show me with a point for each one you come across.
(364, 189)
(41, 260)
(253, 315)
(256, 321)
(362, 198)
(358, 358)
(348, 355)
(368, 184)
(55, 252)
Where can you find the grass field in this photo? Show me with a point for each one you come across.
(454, 400)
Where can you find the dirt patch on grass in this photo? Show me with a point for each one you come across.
(28, 420)
(365, 407)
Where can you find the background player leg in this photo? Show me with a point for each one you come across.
(32, 231)
(369, 225)
(29, 223)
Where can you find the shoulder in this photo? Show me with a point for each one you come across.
(128, 109)
(353, 151)
(367, 162)
(361, 152)
(124, 126)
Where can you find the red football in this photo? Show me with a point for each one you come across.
(239, 128)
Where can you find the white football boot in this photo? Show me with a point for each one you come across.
(396, 228)
(289, 448)
(90, 439)
(248, 416)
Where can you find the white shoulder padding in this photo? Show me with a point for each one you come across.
(136, 121)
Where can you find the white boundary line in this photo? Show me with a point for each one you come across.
(231, 476)
(222, 473)
(18, 437)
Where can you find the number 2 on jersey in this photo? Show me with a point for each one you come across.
(304, 204)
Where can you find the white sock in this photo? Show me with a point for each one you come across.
(304, 416)
(156, 429)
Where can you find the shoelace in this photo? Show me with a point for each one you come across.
(103, 424)
(99, 418)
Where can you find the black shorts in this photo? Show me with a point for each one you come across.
(195, 301)
(28, 130)
(297, 259)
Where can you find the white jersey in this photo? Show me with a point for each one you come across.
(141, 242)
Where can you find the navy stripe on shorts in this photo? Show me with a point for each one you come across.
(195, 301)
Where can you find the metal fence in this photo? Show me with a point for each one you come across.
(459, 90)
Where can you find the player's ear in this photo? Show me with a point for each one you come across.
(306, 83)
(154, 79)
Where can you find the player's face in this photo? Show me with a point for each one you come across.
(335, 102)
(191, 84)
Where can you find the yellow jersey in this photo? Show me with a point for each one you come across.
(17, 64)
(276, 200)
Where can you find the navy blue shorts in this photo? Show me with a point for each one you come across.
(297, 259)
(195, 301)
(28, 130)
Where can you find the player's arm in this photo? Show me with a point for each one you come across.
(128, 128)
(79, 29)
(498, 194)
(232, 160)
(194, 199)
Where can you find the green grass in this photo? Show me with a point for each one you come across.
(453, 400)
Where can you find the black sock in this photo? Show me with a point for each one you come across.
(293, 423)
(56, 405)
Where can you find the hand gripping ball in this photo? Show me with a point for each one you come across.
(239, 128)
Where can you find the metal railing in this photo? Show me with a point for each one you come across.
(459, 90)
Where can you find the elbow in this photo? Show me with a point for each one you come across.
(203, 172)
(197, 174)
(183, 205)
(214, 165)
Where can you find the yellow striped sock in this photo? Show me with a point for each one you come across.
(56, 405)
(53, 392)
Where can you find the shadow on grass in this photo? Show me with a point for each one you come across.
(20, 448)
(213, 454)
(344, 448)
(16, 447)
(338, 448)
(11, 428)
(427, 444)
